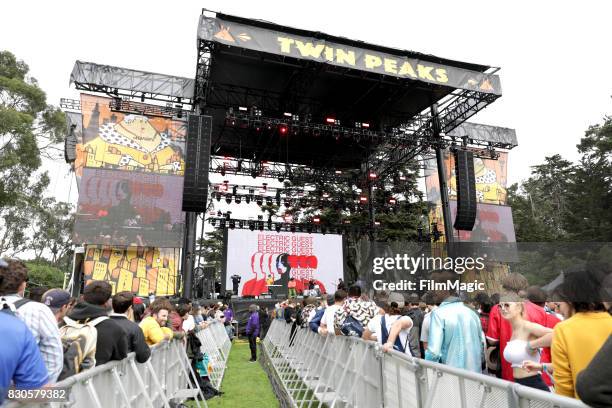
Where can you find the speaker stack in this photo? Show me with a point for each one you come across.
(466, 190)
(197, 161)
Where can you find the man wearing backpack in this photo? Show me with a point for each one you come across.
(111, 339)
(355, 313)
(122, 311)
(35, 315)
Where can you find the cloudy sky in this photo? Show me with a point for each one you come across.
(554, 56)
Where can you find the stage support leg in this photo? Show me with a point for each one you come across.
(446, 214)
(188, 257)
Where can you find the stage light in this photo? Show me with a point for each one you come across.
(376, 223)
(225, 185)
(347, 221)
(251, 225)
(219, 213)
(283, 129)
(269, 201)
(372, 176)
(261, 226)
(278, 227)
(240, 224)
(338, 172)
(392, 201)
(325, 195)
(232, 224)
(402, 178)
(363, 199)
(316, 220)
(287, 114)
(228, 198)
(259, 200)
(331, 121)
(242, 108)
(212, 222)
(237, 199)
(218, 197)
(365, 125)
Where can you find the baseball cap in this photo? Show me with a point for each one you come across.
(56, 298)
(137, 301)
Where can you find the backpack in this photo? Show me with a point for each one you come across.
(351, 327)
(316, 320)
(79, 342)
(6, 307)
(385, 336)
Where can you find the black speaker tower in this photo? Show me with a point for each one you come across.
(195, 187)
(466, 190)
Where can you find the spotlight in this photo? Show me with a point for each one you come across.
(316, 220)
(259, 200)
(372, 176)
(237, 199)
(392, 201)
(363, 199)
(242, 108)
(283, 129)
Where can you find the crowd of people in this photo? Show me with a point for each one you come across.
(53, 336)
(556, 342)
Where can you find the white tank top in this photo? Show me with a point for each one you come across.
(516, 352)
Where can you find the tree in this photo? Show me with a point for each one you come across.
(29, 130)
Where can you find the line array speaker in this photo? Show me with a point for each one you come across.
(466, 190)
(197, 161)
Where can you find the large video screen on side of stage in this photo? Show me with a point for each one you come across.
(263, 258)
(126, 208)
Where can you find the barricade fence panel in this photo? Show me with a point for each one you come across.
(165, 377)
(334, 371)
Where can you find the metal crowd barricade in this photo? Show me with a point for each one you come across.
(216, 344)
(165, 377)
(314, 371)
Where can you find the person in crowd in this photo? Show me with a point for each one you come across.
(36, 316)
(416, 315)
(59, 301)
(553, 309)
(189, 321)
(455, 334)
(123, 315)
(593, 384)
(219, 315)
(138, 309)
(291, 285)
(264, 321)
(390, 329)
(36, 293)
(177, 317)
(499, 330)
(21, 363)
(341, 285)
(527, 337)
(327, 321)
(358, 308)
(431, 306)
(587, 326)
(154, 326)
(252, 331)
(483, 304)
(111, 343)
(229, 314)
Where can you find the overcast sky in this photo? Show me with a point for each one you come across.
(555, 57)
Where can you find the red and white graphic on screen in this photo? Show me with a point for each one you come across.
(278, 255)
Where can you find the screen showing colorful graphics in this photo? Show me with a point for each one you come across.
(491, 179)
(128, 208)
(142, 270)
(266, 260)
(129, 142)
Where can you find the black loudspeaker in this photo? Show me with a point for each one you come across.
(197, 161)
(466, 190)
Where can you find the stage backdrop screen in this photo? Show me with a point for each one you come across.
(263, 258)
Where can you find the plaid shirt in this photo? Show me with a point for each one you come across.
(43, 325)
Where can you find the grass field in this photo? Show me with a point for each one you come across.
(245, 384)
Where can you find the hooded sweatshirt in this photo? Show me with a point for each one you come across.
(112, 339)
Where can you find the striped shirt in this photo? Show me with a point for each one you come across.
(43, 325)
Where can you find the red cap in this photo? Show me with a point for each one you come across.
(137, 301)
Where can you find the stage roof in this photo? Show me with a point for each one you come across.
(314, 75)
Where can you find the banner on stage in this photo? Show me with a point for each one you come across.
(142, 270)
(265, 258)
(279, 40)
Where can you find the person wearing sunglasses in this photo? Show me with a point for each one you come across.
(527, 338)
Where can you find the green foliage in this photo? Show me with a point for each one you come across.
(29, 131)
(43, 273)
(562, 201)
